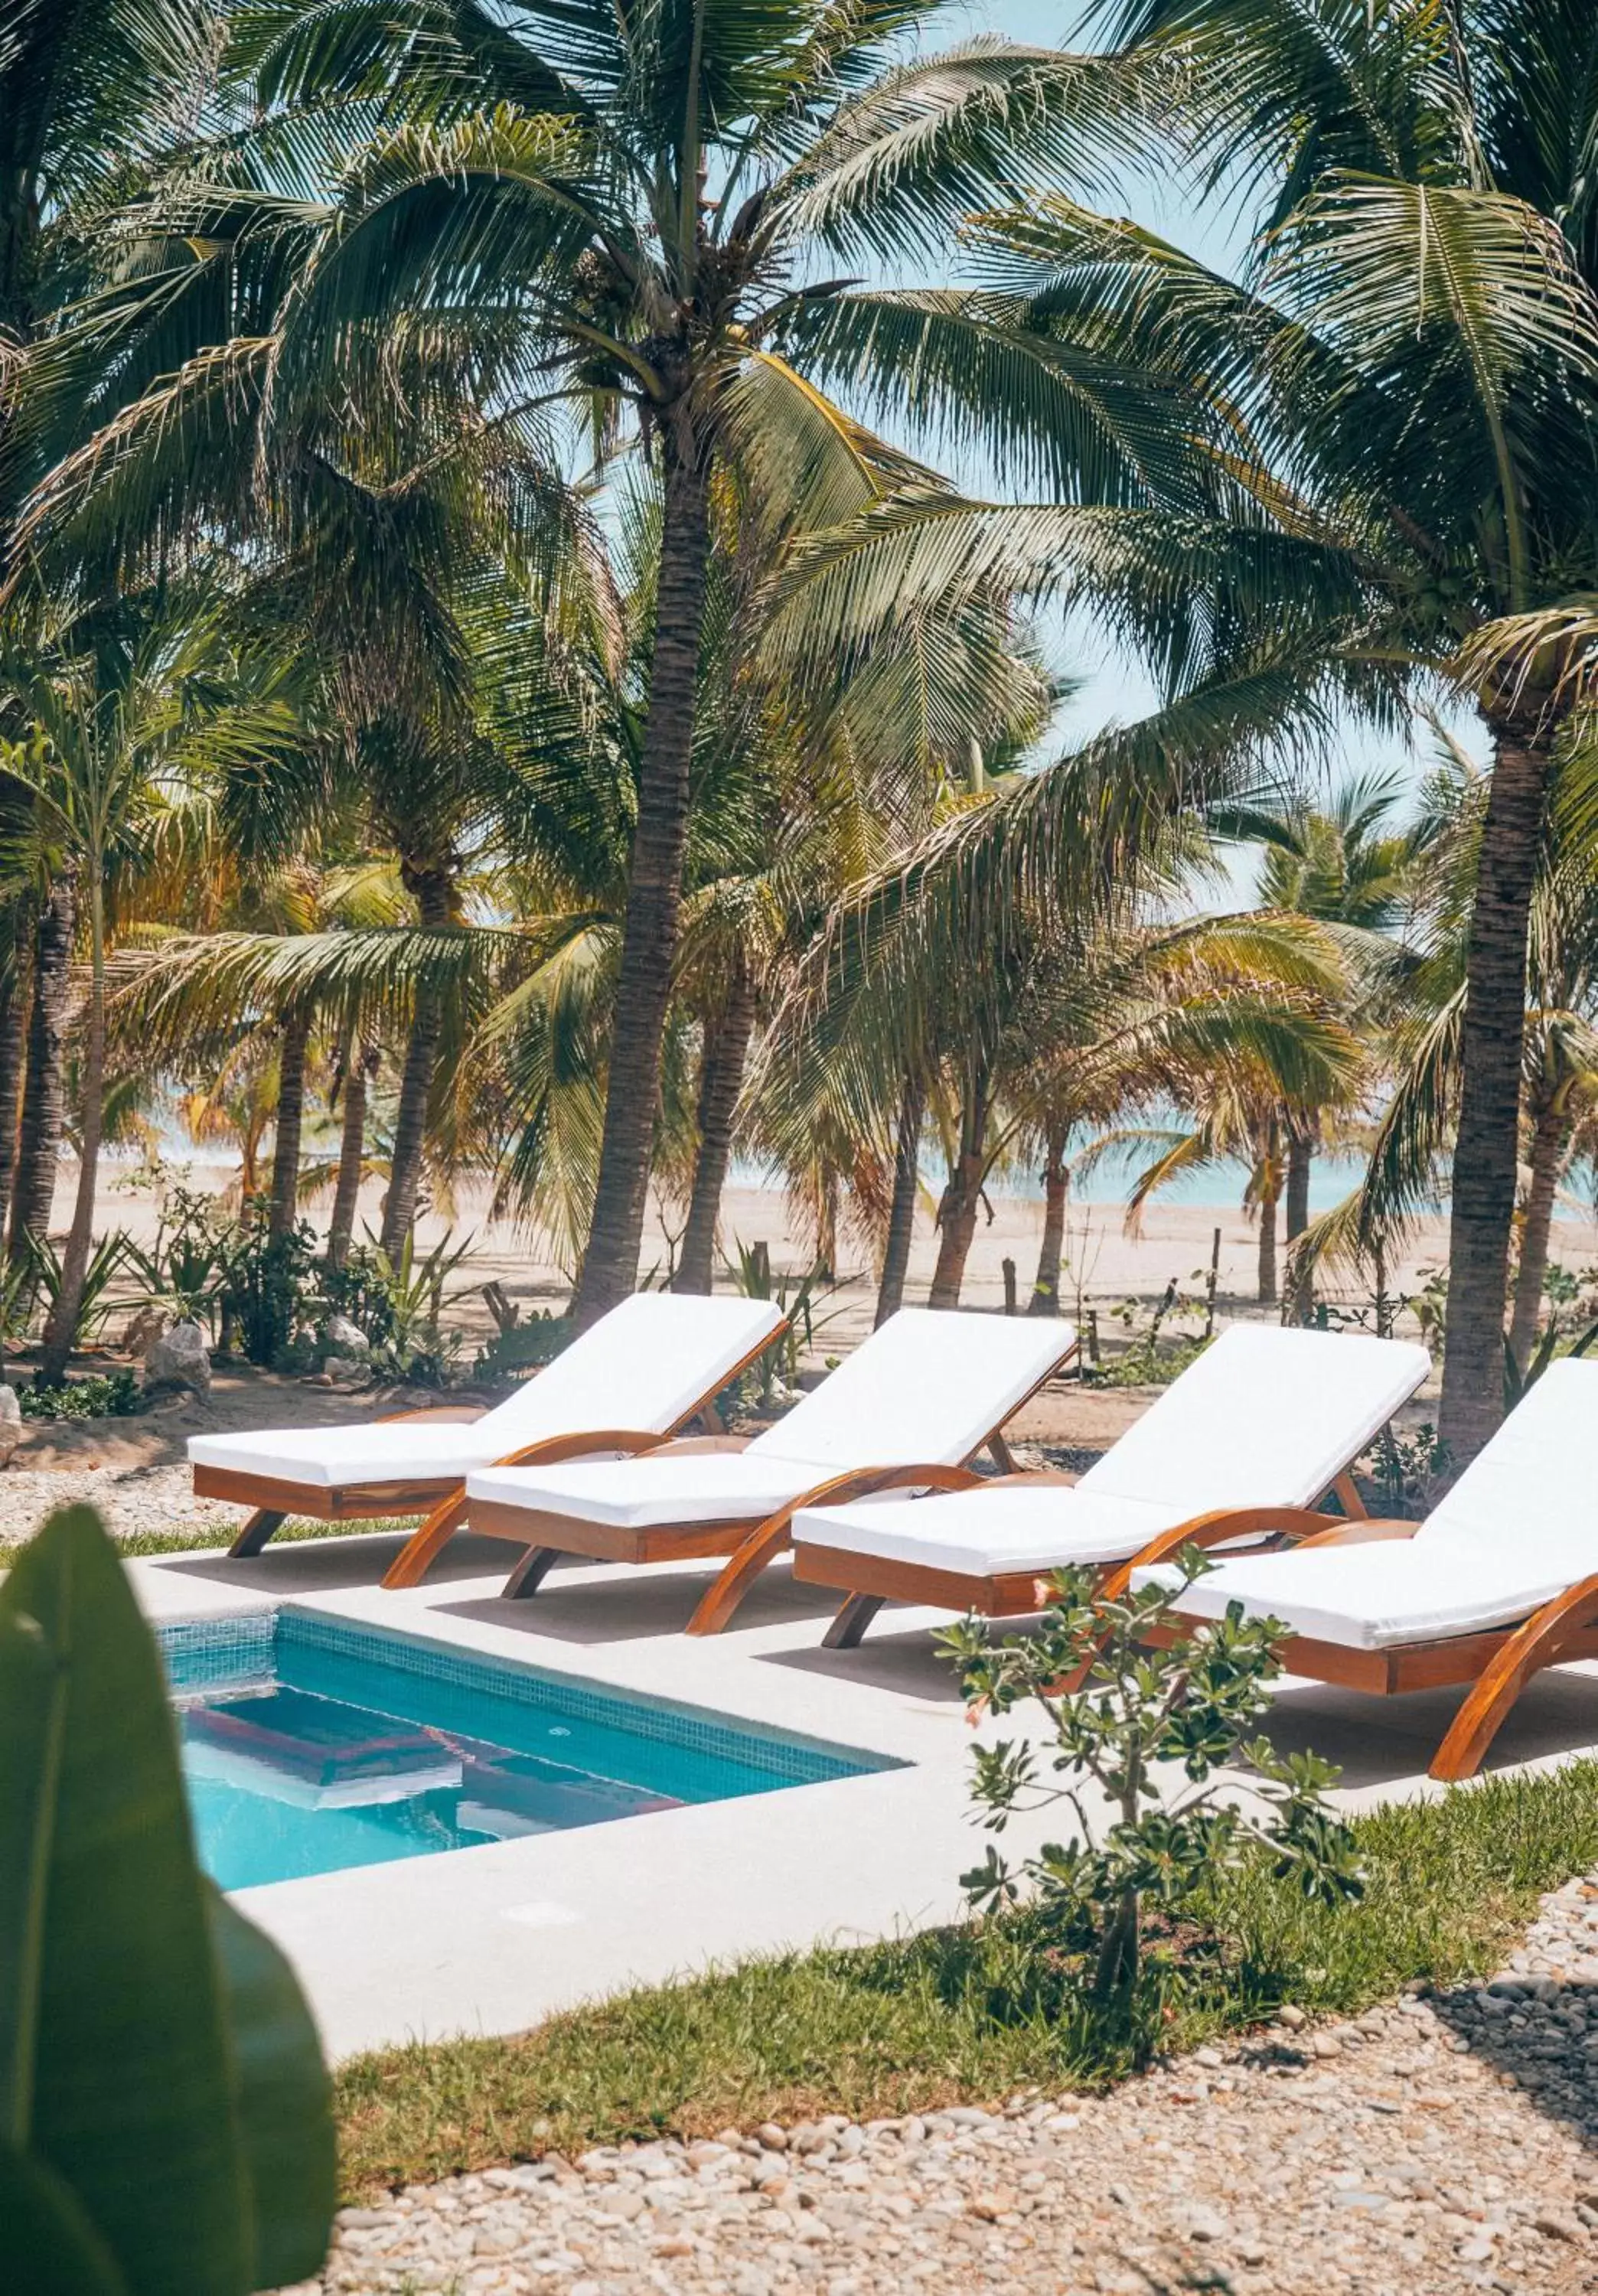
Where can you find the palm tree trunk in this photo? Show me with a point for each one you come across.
(610, 1269)
(290, 1119)
(1487, 1143)
(957, 1211)
(61, 1330)
(1301, 1156)
(1549, 1136)
(1045, 1291)
(901, 1210)
(1269, 1191)
(1267, 1249)
(431, 889)
(826, 1226)
(11, 1037)
(720, 1081)
(44, 1090)
(957, 1226)
(352, 1154)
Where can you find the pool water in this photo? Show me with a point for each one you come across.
(309, 1746)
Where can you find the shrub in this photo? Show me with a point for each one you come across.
(184, 1268)
(268, 1285)
(360, 1290)
(116, 1395)
(523, 1346)
(1129, 1691)
(398, 1303)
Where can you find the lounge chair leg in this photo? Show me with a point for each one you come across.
(1535, 1646)
(426, 1543)
(256, 1531)
(848, 1630)
(743, 1569)
(530, 1574)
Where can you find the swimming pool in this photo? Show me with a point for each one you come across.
(309, 1746)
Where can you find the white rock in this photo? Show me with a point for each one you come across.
(12, 1424)
(1342, 2167)
(347, 1338)
(178, 1359)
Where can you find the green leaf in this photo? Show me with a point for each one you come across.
(114, 2070)
(282, 2099)
(50, 2244)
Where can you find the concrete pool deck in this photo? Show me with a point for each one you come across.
(488, 1940)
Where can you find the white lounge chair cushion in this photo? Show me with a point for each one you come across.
(331, 1458)
(639, 1494)
(925, 1385)
(1532, 1487)
(1378, 1595)
(643, 1367)
(1265, 1417)
(1519, 1527)
(982, 1533)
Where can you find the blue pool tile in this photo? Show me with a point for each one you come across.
(311, 1745)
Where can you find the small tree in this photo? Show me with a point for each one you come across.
(1129, 1691)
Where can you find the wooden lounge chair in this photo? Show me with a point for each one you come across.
(624, 1385)
(1500, 1581)
(1265, 1418)
(903, 1413)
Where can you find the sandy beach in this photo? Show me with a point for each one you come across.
(133, 1467)
(1105, 1267)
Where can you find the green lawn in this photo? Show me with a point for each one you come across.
(966, 2015)
(223, 1533)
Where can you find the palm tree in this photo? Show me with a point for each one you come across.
(1245, 1032)
(1420, 225)
(1398, 409)
(640, 218)
(117, 728)
(86, 96)
(44, 1082)
(900, 1224)
(1420, 1013)
(357, 1065)
(1348, 867)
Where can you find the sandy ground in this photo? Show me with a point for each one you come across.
(1107, 1269)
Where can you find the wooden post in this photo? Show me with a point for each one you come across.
(1093, 1335)
(1209, 1283)
(1008, 1266)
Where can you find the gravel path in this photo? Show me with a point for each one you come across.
(1438, 2144)
(131, 1498)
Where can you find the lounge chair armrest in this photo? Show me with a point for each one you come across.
(458, 1415)
(1356, 1534)
(1289, 1523)
(864, 1482)
(769, 1538)
(551, 1450)
(686, 1446)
